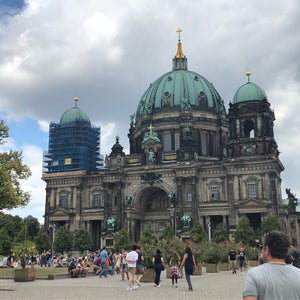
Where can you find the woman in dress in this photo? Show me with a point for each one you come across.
(188, 262)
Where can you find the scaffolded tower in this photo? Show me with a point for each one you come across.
(74, 144)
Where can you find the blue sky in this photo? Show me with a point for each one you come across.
(108, 52)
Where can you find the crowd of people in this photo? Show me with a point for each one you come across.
(276, 277)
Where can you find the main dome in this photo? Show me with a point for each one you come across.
(74, 114)
(179, 88)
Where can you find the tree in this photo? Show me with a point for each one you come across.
(63, 241)
(268, 224)
(42, 240)
(167, 234)
(82, 240)
(24, 251)
(12, 170)
(122, 240)
(244, 232)
(198, 234)
(220, 234)
(5, 242)
(11, 224)
(148, 246)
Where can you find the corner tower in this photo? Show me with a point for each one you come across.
(251, 123)
(74, 144)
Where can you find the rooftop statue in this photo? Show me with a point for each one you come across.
(292, 201)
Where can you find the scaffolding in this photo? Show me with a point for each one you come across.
(73, 146)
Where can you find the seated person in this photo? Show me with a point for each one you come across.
(97, 265)
(84, 267)
(72, 269)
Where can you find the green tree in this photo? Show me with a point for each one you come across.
(198, 234)
(32, 227)
(268, 224)
(12, 224)
(63, 241)
(42, 240)
(244, 232)
(148, 245)
(148, 236)
(5, 242)
(12, 170)
(82, 240)
(167, 234)
(24, 251)
(29, 230)
(220, 234)
(122, 240)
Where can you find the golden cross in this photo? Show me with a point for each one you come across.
(179, 30)
(151, 129)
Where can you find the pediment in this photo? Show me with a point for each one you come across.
(251, 203)
(59, 211)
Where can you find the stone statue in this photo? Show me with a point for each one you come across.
(151, 156)
(292, 201)
(132, 119)
(129, 200)
(110, 223)
(186, 220)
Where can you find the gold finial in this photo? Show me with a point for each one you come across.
(76, 100)
(248, 74)
(178, 31)
(179, 53)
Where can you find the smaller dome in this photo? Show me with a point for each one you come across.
(249, 92)
(74, 114)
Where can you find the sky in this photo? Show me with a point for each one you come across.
(107, 53)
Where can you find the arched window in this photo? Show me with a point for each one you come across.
(249, 129)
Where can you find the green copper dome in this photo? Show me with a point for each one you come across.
(249, 92)
(180, 89)
(74, 114)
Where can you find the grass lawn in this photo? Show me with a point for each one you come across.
(8, 273)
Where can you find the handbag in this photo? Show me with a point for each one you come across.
(163, 267)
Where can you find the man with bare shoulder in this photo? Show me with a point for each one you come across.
(274, 279)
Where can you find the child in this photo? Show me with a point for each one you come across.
(174, 263)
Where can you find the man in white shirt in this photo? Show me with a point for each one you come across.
(131, 259)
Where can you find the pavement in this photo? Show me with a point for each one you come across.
(212, 286)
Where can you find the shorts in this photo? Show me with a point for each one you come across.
(139, 270)
(232, 264)
(242, 263)
(131, 270)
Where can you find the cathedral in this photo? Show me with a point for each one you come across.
(190, 161)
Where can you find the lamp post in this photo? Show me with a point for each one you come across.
(209, 231)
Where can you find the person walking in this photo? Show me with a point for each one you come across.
(232, 257)
(124, 265)
(174, 263)
(104, 257)
(189, 263)
(274, 279)
(131, 259)
(242, 259)
(158, 263)
(139, 266)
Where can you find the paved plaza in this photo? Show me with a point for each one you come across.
(213, 286)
